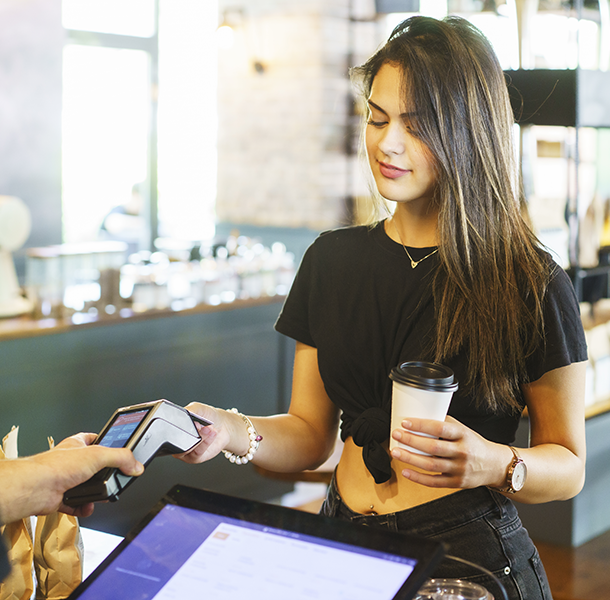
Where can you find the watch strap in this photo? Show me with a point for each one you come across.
(508, 488)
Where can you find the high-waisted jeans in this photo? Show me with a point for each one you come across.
(478, 525)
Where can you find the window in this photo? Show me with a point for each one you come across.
(105, 133)
(139, 107)
(123, 17)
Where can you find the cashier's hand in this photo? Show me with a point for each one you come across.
(459, 458)
(214, 437)
(35, 485)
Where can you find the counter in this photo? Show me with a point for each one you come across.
(60, 377)
(576, 521)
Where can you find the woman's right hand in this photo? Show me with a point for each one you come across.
(301, 439)
(214, 438)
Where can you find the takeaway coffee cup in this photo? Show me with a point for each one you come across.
(422, 390)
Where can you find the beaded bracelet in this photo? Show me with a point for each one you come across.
(255, 440)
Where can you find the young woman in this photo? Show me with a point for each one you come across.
(453, 276)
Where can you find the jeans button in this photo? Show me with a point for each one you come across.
(506, 570)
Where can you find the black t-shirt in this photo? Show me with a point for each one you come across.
(357, 300)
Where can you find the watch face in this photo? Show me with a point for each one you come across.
(518, 476)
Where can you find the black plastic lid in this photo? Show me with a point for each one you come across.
(425, 375)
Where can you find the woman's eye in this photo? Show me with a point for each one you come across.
(376, 123)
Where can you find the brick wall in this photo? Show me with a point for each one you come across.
(282, 132)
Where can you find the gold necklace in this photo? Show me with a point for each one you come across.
(414, 263)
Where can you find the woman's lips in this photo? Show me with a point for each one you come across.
(390, 171)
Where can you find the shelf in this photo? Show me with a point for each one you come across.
(25, 326)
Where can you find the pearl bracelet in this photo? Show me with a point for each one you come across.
(255, 440)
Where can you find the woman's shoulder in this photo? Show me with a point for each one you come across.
(352, 239)
(550, 275)
(559, 281)
(348, 233)
(564, 338)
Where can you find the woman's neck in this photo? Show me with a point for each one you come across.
(413, 229)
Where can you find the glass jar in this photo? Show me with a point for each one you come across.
(452, 589)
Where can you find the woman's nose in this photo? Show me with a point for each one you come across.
(393, 140)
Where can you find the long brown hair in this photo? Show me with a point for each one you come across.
(492, 277)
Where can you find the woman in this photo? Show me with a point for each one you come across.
(454, 276)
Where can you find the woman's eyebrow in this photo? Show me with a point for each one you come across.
(405, 115)
(376, 107)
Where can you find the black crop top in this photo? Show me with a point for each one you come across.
(357, 300)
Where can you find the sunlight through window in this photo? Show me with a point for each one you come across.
(105, 131)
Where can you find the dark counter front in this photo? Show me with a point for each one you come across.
(62, 380)
(576, 521)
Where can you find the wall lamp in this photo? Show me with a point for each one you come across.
(233, 19)
(225, 32)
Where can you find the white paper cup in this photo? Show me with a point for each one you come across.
(421, 390)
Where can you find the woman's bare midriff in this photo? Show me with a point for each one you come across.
(360, 492)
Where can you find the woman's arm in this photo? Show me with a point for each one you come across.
(301, 439)
(557, 453)
(555, 461)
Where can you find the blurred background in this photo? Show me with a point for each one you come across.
(224, 113)
(163, 157)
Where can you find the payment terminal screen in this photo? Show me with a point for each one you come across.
(120, 431)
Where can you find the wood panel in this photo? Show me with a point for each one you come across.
(578, 573)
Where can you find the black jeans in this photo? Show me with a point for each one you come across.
(477, 525)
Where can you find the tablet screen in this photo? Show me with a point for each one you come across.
(184, 553)
(199, 544)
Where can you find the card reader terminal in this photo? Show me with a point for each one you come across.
(150, 429)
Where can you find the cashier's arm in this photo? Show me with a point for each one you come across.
(556, 457)
(302, 439)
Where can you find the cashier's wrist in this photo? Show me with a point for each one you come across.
(505, 455)
(254, 439)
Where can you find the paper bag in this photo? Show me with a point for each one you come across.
(54, 553)
(19, 585)
(58, 555)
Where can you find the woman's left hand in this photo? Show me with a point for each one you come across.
(459, 458)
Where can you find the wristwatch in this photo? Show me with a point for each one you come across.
(516, 474)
